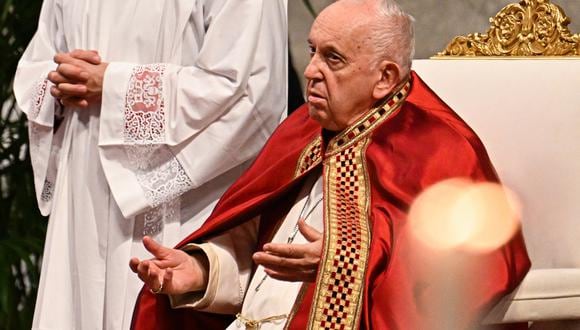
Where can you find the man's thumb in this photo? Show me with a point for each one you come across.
(156, 249)
(308, 232)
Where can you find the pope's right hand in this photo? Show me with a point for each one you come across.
(171, 271)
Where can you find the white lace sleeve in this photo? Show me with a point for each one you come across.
(166, 128)
(32, 91)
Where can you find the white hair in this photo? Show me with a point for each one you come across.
(393, 35)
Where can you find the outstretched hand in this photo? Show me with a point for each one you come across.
(293, 262)
(78, 79)
(171, 271)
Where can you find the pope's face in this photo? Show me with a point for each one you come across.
(340, 74)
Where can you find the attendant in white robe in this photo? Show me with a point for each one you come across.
(191, 92)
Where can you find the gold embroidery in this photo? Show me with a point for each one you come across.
(310, 157)
(368, 122)
(340, 283)
(337, 302)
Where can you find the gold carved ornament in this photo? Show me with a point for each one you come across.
(526, 29)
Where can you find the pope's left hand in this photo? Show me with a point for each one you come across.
(293, 262)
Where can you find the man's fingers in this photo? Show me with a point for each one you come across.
(274, 261)
(168, 277)
(72, 89)
(55, 92)
(165, 263)
(72, 72)
(158, 250)
(151, 245)
(91, 56)
(154, 271)
(308, 231)
(133, 264)
(294, 251)
(155, 277)
(151, 275)
(56, 78)
(74, 102)
(286, 250)
(143, 271)
(143, 268)
(61, 58)
(168, 281)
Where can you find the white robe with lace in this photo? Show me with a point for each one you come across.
(193, 90)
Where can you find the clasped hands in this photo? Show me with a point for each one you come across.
(78, 78)
(176, 272)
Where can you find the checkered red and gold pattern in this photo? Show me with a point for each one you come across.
(337, 301)
(369, 121)
(311, 156)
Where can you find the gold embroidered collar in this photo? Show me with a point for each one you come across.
(369, 121)
(312, 154)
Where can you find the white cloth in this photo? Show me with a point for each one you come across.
(230, 265)
(193, 90)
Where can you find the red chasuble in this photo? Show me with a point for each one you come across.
(372, 171)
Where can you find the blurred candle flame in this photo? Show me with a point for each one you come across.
(460, 214)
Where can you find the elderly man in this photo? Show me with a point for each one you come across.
(348, 164)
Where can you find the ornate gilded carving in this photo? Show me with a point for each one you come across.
(529, 28)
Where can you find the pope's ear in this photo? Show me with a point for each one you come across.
(390, 77)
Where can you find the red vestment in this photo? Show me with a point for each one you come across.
(371, 172)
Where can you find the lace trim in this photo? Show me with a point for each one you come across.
(47, 191)
(34, 142)
(144, 105)
(155, 218)
(35, 136)
(39, 141)
(38, 95)
(158, 172)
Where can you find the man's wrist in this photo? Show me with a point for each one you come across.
(201, 265)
